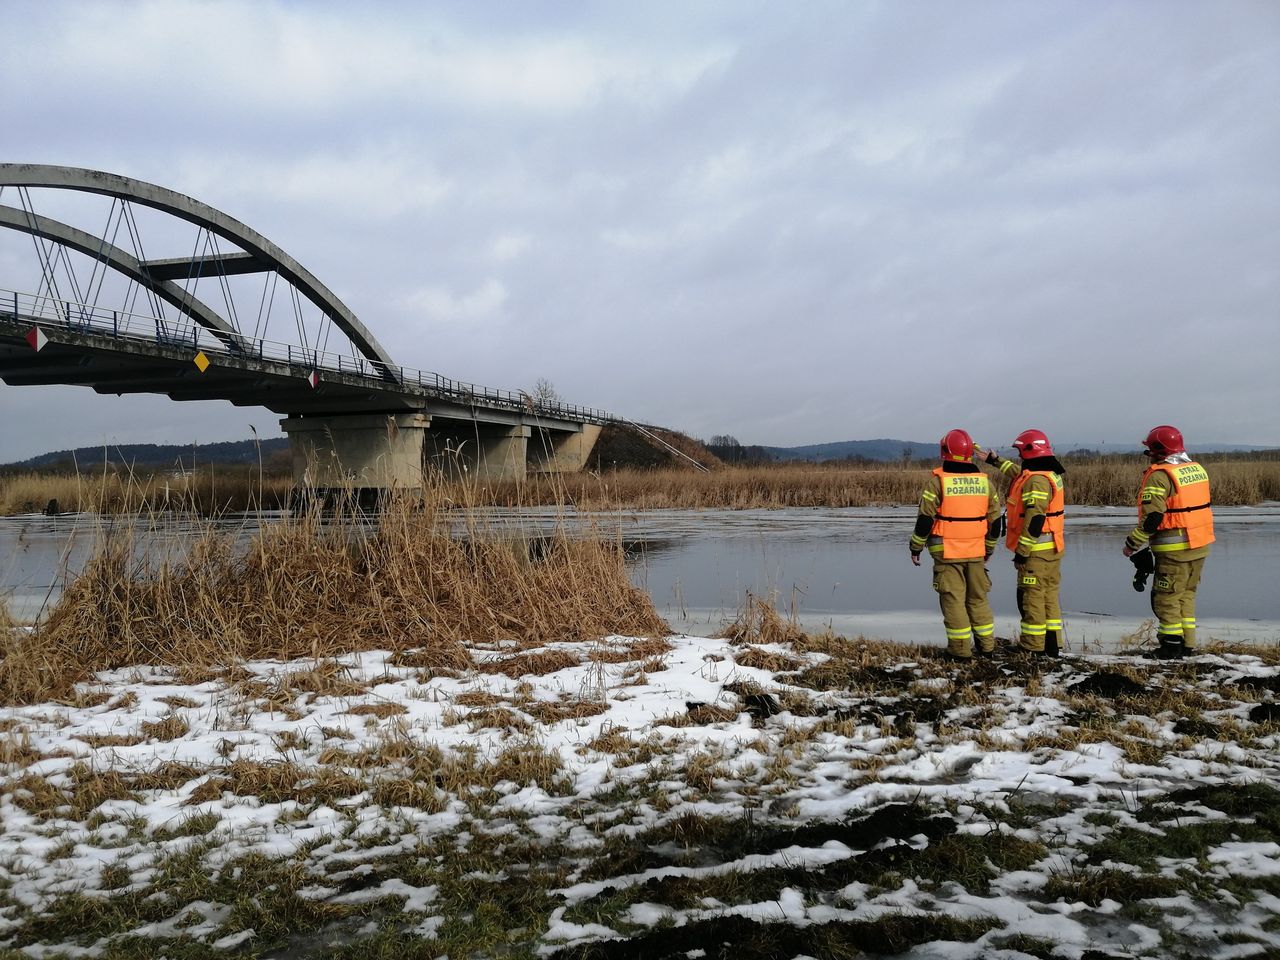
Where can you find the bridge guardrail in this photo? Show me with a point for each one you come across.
(124, 325)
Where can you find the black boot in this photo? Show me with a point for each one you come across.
(1051, 644)
(1171, 648)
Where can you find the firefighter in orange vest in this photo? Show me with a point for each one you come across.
(1175, 522)
(960, 523)
(1034, 512)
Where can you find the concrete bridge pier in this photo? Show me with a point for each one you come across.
(478, 451)
(560, 451)
(367, 455)
(352, 454)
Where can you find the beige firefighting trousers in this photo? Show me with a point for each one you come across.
(1173, 597)
(962, 587)
(1039, 578)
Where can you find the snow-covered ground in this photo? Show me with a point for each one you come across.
(652, 798)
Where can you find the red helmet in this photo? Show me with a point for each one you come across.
(957, 445)
(1032, 443)
(1163, 441)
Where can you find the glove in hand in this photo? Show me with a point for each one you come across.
(1144, 564)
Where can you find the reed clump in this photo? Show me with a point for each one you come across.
(205, 492)
(1113, 481)
(1110, 481)
(411, 578)
(1102, 482)
(730, 487)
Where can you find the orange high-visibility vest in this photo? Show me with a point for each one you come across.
(1051, 537)
(1186, 508)
(961, 521)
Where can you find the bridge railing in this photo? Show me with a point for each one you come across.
(145, 328)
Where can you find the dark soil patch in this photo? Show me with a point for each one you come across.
(706, 713)
(1118, 885)
(1107, 684)
(1265, 713)
(1271, 683)
(738, 938)
(969, 860)
(893, 821)
(1259, 802)
(903, 713)
(1195, 727)
(712, 840)
(839, 674)
(758, 704)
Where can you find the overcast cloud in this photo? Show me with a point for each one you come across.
(793, 223)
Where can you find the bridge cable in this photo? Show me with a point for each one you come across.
(135, 237)
(132, 285)
(326, 324)
(194, 268)
(297, 317)
(101, 259)
(657, 439)
(225, 283)
(260, 324)
(48, 277)
(64, 257)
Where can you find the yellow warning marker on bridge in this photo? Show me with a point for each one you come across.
(201, 362)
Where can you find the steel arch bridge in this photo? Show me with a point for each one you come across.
(105, 315)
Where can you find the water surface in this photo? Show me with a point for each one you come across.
(848, 568)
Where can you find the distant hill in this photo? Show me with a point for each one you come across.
(888, 450)
(612, 450)
(162, 454)
(883, 449)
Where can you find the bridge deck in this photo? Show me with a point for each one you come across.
(109, 352)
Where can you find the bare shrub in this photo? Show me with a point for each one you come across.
(758, 622)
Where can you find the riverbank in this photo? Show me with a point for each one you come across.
(1110, 481)
(631, 797)
(847, 569)
(428, 735)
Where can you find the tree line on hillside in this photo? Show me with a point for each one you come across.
(271, 453)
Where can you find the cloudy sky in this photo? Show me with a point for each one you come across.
(793, 223)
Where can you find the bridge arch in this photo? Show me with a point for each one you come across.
(260, 253)
(123, 262)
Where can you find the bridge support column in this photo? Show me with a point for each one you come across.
(480, 451)
(558, 451)
(354, 454)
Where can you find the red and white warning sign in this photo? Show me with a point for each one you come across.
(37, 339)
(313, 378)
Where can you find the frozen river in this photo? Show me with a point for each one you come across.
(845, 568)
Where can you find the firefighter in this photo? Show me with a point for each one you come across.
(1175, 522)
(1034, 511)
(960, 523)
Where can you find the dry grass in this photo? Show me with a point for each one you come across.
(380, 710)
(302, 588)
(1109, 481)
(762, 659)
(536, 663)
(1112, 481)
(758, 622)
(737, 488)
(167, 728)
(207, 492)
(1098, 481)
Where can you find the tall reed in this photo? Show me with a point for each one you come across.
(210, 491)
(416, 577)
(1108, 482)
(1096, 482)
